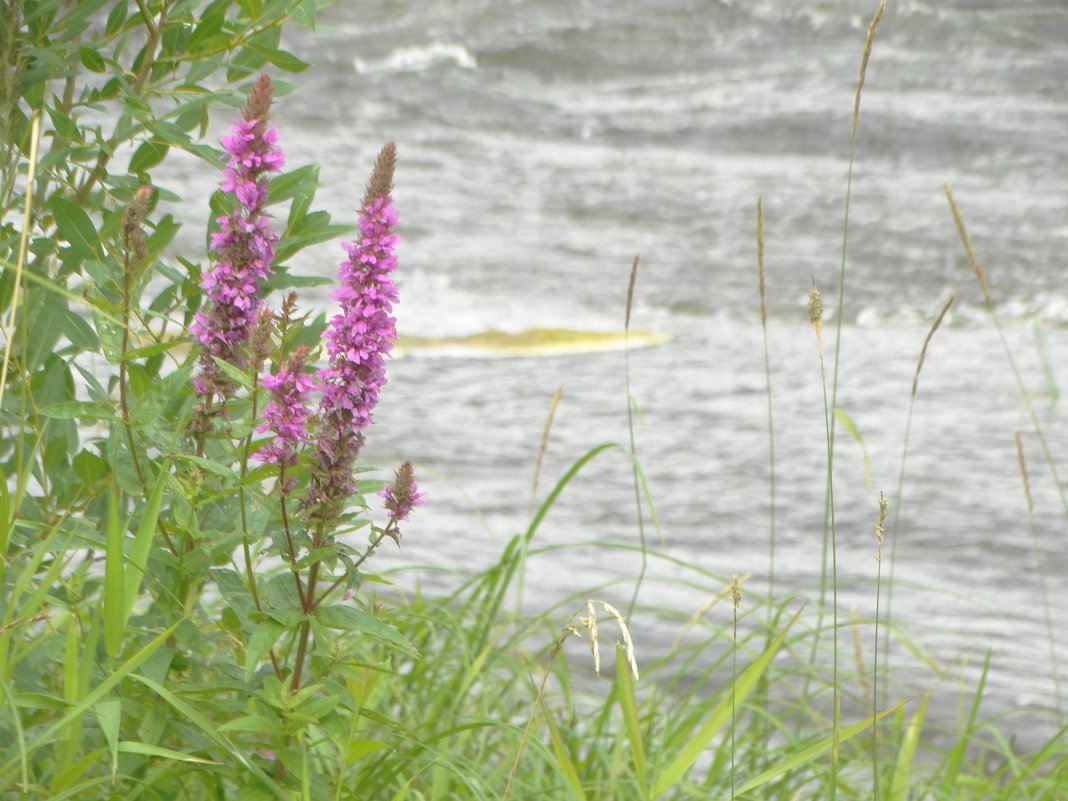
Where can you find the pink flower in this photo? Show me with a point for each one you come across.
(286, 413)
(244, 245)
(403, 494)
(357, 342)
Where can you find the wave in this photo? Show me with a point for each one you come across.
(419, 57)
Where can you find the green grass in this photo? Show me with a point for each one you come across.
(173, 667)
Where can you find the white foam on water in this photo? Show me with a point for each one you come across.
(419, 57)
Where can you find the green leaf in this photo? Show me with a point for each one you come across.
(361, 748)
(847, 423)
(254, 723)
(79, 332)
(563, 758)
(114, 586)
(236, 374)
(303, 180)
(733, 697)
(76, 229)
(91, 59)
(207, 464)
(89, 467)
(46, 735)
(211, 22)
(906, 754)
(109, 715)
(806, 755)
(629, 705)
(128, 747)
(280, 58)
(263, 638)
(70, 410)
(287, 280)
(115, 19)
(351, 619)
(142, 544)
(148, 155)
(211, 730)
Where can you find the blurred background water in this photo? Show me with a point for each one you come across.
(543, 143)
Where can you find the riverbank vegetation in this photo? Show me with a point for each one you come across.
(189, 607)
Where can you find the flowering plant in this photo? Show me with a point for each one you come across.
(181, 537)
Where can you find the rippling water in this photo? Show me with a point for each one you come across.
(543, 143)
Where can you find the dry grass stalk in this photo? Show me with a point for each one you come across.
(24, 237)
(884, 506)
(927, 341)
(980, 274)
(589, 622)
(760, 259)
(545, 440)
(1023, 472)
(719, 596)
(858, 655)
(815, 312)
(864, 64)
(630, 292)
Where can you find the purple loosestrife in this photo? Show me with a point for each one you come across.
(357, 342)
(286, 413)
(402, 495)
(244, 245)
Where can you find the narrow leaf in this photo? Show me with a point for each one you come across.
(847, 423)
(76, 228)
(806, 755)
(907, 753)
(142, 544)
(109, 715)
(212, 731)
(69, 410)
(114, 586)
(563, 758)
(91, 698)
(629, 705)
(720, 715)
(128, 747)
(350, 619)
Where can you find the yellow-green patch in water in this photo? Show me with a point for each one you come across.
(533, 342)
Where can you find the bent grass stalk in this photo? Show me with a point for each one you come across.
(1041, 572)
(828, 513)
(901, 489)
(991, 308)
(815, 316)
(771, 421)
(635, 469)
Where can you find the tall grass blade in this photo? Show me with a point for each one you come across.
(734, 695)
(563, 758)
(802, 757)
(906, 755)
(984, 284)
(628, 705)
(951, 774)
(142, 544)
(114, 580)
(90, 699)
(846, 422)
(109, 716)
(212, 731)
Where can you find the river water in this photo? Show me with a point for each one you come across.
(543, 143)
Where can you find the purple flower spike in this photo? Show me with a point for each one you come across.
(244, 245)
(286, 413)
(357, 341)
(403, 494)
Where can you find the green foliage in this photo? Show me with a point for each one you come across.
(165, 633)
